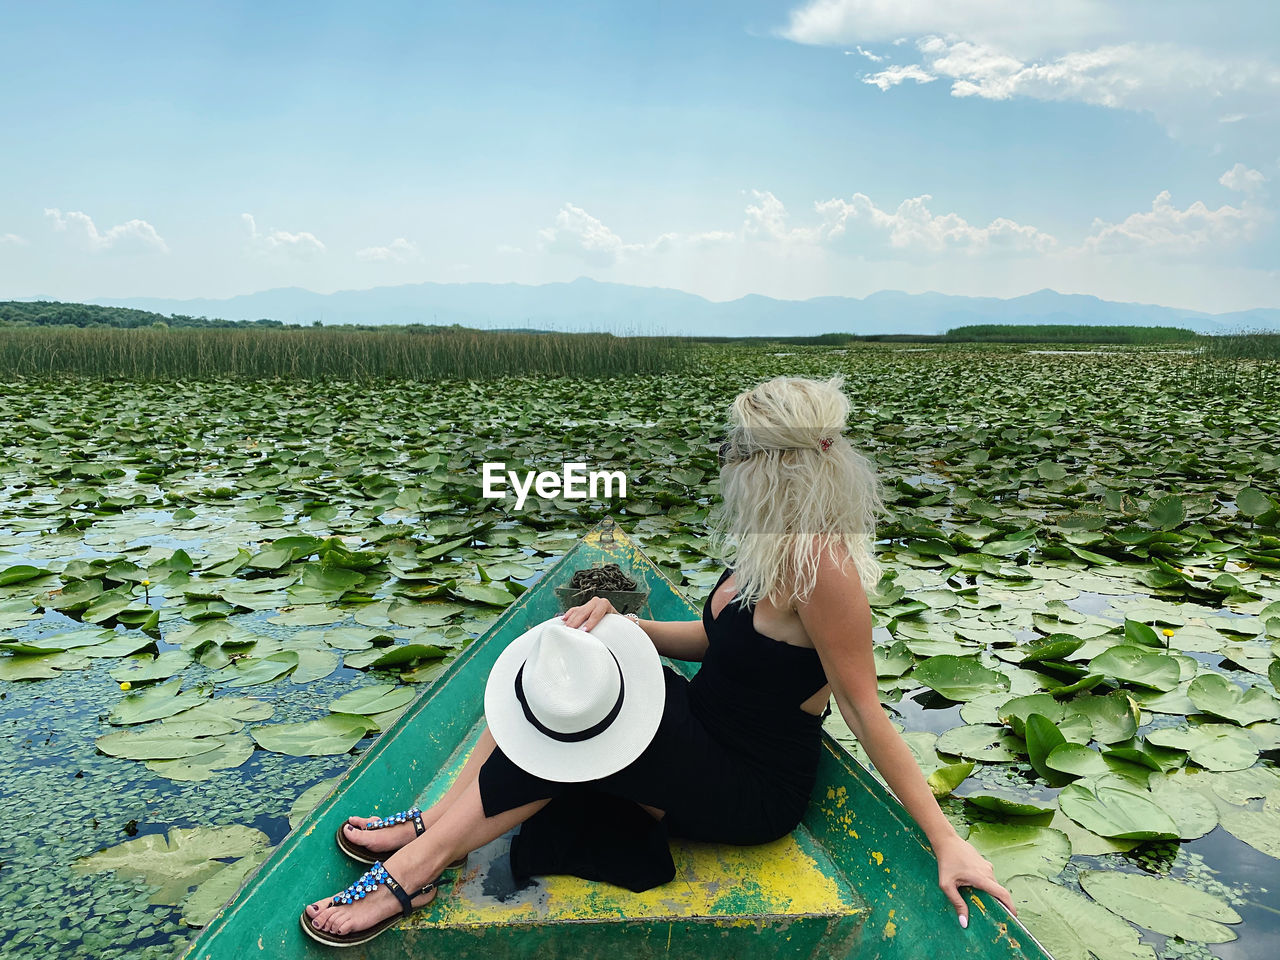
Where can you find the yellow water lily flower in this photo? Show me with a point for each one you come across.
(125, 684)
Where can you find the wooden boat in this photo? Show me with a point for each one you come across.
(855, 880)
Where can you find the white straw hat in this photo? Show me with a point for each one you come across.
(568, 705)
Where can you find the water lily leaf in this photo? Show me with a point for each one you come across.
(1214, 694)
(1137, 665)
(1073, 927)
(57, 643)
(978, 741)
(41, 667)
(959, 678)
(187, 856)
(949, 776)
(255, 670)
(1015, 849)
(231, 751)
(1167, 512)
(1166, 906)
(210, 896)
(1114, 716)
(1252, 502)
(1260, 829)
(154, 743)
(376, 698)
(497, 596)
(156, 702)
(1076, 760)
(240, 710)
(892, 660)
(1056, 646)
(151, 669)
(314, 665)
(1193, 812)
(20, 574)
(1115, 807)
(309, 800)
(1139, 633)
(328, 736)
(1215, 746)
(1008, 803)
(1042, 737)
(396, 656)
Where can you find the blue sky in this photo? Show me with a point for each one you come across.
(1128, 150)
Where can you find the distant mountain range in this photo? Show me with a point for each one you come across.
(618, 308)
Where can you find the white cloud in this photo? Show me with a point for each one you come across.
(132, 236)
(1010, 22)
(579, 234)
(12, 239)
(1108, 55)
(1167, 231)
(300, 246)
(892, 76)
(914, 228)
(1242, 179)
(399, 250)
(911, 230)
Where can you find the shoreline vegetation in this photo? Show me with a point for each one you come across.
(44, 338)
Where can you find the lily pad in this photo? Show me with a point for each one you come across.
(212, 895)
(329, 736)
(1214, 694)
(1114, 807)
(186, 857)
(1073, 927)
(1017, 849)
(1215, 746)
(959, 678)
(1166, 906)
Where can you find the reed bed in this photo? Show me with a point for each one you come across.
(322, 354)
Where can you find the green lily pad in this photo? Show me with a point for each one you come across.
(211, 896)
(1115, 807)
(1073, 927)
(376, 698)
(1214, 694)
(1015, 849)
(309, 800)
(978, 741)
(1137, 665)
(1215, 746)
(163, 700)
(959, 678)
(329, 736)
(1166, 906)
(186, 857)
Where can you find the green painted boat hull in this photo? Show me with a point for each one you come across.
(855, 880)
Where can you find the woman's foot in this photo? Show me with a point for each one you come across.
(384, 840)
(363, 914)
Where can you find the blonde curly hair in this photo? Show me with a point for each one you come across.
(793, 486)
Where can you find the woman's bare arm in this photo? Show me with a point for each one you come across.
(677, 639)
(837, 619)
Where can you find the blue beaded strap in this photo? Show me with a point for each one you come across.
(377, 823)
(375, 877)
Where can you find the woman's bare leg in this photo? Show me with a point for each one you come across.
(393, 838)
(459, 829)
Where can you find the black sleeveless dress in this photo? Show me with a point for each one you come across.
(734, 761)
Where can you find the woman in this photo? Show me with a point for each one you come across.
(736, 753)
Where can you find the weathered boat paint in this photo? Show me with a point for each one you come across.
(855, 881)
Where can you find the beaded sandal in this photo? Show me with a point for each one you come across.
(373, 878)
(361, 855)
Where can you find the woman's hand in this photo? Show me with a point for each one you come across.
(586, 615)
(960, 865)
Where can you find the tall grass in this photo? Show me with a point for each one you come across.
(1237, 363)
(319, 353)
